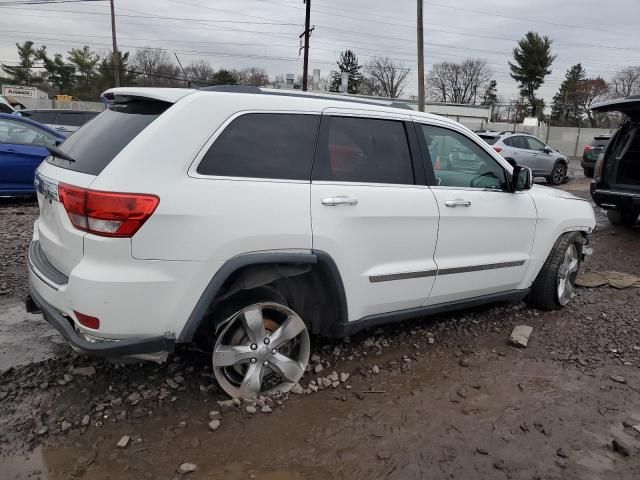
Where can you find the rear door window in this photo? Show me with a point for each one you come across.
(366, 150)
(534, 144)
(489, 139)
(99, 141)
(264, 145)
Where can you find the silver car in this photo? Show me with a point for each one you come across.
(529, 151)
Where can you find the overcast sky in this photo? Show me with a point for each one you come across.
(603, 36)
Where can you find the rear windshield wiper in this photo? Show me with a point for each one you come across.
(56, 152)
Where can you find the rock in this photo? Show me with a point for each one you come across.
(226, 405)
(187, 468)
(84, 371)
(266, 409)
(123, 442)
(618, 379)
(182, 425)
(236, 401)
(251, 409)
(622, 446)
(344, 377)
(335, 384)
(482, 451)
(315, 358)
(133, 398)
(313, 387)
(172, 383)
(44, 385)
(42, 430)
(465, 362)
(214, 415)
(561, 453)
(214, 425)
(68, 378)
(318, 368)
(333, 377)
(85, 420)
(375, 370)
(326, 383)
(498, 465)
(384, 455)
(297, 389)
(462, 392)
(431, 340)
(64, 426)
(520, 335)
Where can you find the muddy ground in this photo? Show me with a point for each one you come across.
(438, 398)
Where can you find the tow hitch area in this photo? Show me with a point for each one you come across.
(30, 306)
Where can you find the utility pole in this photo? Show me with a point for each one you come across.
(420, 58)
(307, 32)
(115, 56)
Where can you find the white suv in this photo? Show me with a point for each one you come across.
(245, 219)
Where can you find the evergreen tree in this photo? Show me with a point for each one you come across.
(566, 107)
(22, 73)
(532, 62)
(59, 74)
(490, 96)
(105, 77)
(85, 62)
(224, 77)
(348, 62)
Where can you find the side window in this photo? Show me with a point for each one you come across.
(459, 162)
(520, 142)
(367, 150)
(43, 117)
(264, 145)
(21, 133)
(535, 144)
(508, 142)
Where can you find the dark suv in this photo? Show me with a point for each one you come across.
(616, 183)
(592, 151)
(64, 121)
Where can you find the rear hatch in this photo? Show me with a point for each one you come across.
(83, 157)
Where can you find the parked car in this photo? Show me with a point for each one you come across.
(244, 219)
(23, 146)
(5, 106)
(529, 151)
(616, 181)
(592, 151)
(64, 121)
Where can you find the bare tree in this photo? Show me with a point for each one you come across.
(200, 72)
(154, 68)
(385, 78)
(458, 82)
(626, 82)
(589, 91)
(257, 77)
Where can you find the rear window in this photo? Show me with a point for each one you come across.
(98, 142)
(71, 119)
(489, 139)
(42, 117)
(264, 145)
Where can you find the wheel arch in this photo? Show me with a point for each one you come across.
(292, 274)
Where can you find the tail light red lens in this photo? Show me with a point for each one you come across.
(87, 320)
(587, 148)
(497, 149)
(108, 214)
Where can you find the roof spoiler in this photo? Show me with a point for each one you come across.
(624, 105)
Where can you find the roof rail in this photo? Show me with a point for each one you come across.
(286, 93)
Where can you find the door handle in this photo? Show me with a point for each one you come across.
(339, 200)
(458, 202)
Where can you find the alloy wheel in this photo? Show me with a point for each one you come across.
(263, 349)
(559, 174)
(567, 274)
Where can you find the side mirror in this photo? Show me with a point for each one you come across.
(547, 150)
(521, 178)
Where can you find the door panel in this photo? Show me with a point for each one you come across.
(17, 166)
(485, 233)
(381, 234)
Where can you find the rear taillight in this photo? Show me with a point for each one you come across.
(497, 149)
(587, 148)
(108, 214)
(87, 320)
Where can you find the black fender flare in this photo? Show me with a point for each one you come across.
(262, 258)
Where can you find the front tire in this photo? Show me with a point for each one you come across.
(558, 174)
(625, 217)
(262, 348)
(555, 285)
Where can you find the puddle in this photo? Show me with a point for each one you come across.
(25, 338)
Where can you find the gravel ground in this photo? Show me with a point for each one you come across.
(443, 397)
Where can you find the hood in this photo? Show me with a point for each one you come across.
(554, 192)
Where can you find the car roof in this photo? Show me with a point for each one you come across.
(278, 98)
(28, 121)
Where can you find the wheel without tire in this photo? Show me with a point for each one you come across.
(588, 172)
(262, 349)
(558, 174)
(622, 217)
(555, 285)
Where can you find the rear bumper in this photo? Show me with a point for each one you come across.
(588, 162)
(610, 199)
(119, 348)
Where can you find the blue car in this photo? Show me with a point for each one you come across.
(23, 146)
